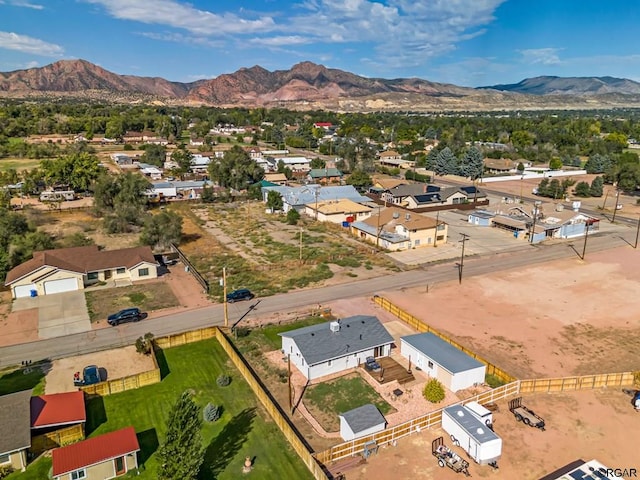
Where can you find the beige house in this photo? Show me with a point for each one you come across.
(397, 229)
(71, 269)
(15, 425)
(338, 211)
(98, 458)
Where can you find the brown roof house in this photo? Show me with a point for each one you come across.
(71, 269)
(397, 229)
(15, 425)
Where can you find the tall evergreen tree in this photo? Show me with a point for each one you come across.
(471, 164)
(446, 162)
(182, 453)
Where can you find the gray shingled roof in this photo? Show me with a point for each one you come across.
(474, 427)
(441, 352)
(318, 343)
(15, 421)
(363, 418)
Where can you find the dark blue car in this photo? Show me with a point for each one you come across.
(90, 375)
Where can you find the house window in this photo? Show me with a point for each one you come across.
(5, 458)
(430, 364)
(417, 242)
(78, 474)
(120, 271)
(92, 276)
(143, 272)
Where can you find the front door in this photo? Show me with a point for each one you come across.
(377, 352)
(120, 466)
(107, 274)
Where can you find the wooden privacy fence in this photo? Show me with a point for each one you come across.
(130, 382)
(431, 419)
(186, 337)
(283, 423)
(421, 326)
(584, 382)
(57, 438)
(191, 269)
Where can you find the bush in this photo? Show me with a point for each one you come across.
(5, 471)
(144, 344)
(293, 216)
(223, 380)
(127, 147)
(211, 412)
(433, 391)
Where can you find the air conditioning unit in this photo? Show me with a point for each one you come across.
(334, 327)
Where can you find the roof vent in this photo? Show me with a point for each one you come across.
(460, 413)
(480, 431)
(334, 327)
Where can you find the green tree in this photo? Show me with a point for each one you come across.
(293, 216)
(433, 391)
(208, 195)
(162, 229)
(359, 179)
(183, 158)
(181, 454)
(121, 201)
(78, 170)
(236, 170)
(597, 187)
(274, 201)
(446, 162)
(471, 164)
(318, 163)
(555, 163)
(597, 163)
(154, 155)
(582, 189)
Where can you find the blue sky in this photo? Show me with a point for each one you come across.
(465, 42)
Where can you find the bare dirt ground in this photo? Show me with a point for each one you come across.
(118, 363)
(580, 425)
(569, 317)
(16, 327)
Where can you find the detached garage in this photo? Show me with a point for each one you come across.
(361, 421)
(453, 368)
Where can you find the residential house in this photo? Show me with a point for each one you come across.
(561, 223)
(105, 456)
(161, 191)
(500, 165)
(254, 152)
(439, 359)
(15, 428)
(361, 422)
(296, 164)
(132, 137)
(196, 142)
(55, 418)
(482, 218)
(151, 171)
(325, 175)
(220, 149)
(276, 178)
(299, 197)
(200, 163)
(71, 269)
(399, 194)
(333, 347)
(122, 159)
(339, 211)
(389, 155)
(435, 196)
(324, 125)
(396, 229)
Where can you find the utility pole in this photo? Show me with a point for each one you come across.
(435, 240)
(289, 381)
(465, 237)
(224, 287)
(535, 216)
(378, 230)
(637, 233)
(615, 207)
(586, 234)
(300, 245)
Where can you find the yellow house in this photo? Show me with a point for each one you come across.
(105, 456)
(15, 428)
(71, 269)
(338, 211)
(397, 229)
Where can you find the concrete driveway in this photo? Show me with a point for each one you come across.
(59, 314)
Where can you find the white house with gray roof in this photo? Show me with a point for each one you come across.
(452, 367)
(333, 347)
(361, 421)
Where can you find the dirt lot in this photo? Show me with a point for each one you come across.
(118, 363)
(580, 425)
(562, 318)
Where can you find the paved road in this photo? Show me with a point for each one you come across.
(189, 320)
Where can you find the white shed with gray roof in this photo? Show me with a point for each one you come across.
(454, 368)
(361, 421)
(332, 347)
(474, 437)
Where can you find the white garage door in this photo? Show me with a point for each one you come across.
(59, 286)
(24, 290)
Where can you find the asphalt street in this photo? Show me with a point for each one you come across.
(102, 339)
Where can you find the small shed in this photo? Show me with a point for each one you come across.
(481, 218)
(474, 437)
(454, 368)
(361, 421)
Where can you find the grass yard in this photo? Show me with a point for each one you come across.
(38, 470)
(148, 297)
(18, 163)
(12, 380)
(326, 400)
(243, 430)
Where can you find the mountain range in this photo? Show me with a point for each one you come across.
(310, 86)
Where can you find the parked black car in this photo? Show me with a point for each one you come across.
(126, 315)
(238, 295)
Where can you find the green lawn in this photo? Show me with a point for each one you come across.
(18, 163)
(326, 400)
(13, 380)
(38, 470)
(243, 430)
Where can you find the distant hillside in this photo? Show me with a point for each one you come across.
(571, 86)
(310, 86)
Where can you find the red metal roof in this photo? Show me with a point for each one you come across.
(94, 450)
(57, 409)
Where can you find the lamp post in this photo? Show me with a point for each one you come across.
(465, 237)
(586, 234)
(224, 293)
(615, 207)
(637, 234)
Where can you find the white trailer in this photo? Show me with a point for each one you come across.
(473, 436)
(481, 413)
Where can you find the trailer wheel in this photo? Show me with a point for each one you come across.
(527, 421)
(453, 439)
(441, 463)
(518, 417)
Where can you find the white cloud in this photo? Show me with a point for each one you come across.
(181, 38)
(183, 16)
(280, 41)
(25, 44)
(20, 3)
(544, 56)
